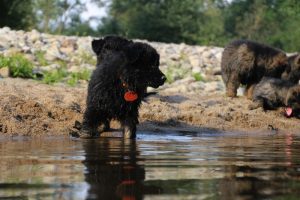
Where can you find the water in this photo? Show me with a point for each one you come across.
(155, 166)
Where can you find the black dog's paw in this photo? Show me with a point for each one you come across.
(79, 131)
(88, 134)
(129, 131)
(77, 125)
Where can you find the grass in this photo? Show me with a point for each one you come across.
(85, 58)
(76, 76)
(198, 77)
(55, 76)
(62, 75)
(40, 57)
(175, 72)
(18, 65)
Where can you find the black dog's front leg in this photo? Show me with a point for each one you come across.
(129, 128)
(91, 121)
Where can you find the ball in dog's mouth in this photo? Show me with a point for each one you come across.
(288, 111)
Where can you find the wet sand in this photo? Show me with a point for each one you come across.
(32, 108)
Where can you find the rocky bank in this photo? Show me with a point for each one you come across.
(189, 69)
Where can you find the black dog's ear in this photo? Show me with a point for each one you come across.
(133, 53)
(97, 45)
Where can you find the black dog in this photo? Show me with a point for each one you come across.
(118, 84)
(271, 93)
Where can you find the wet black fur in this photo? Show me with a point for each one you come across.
(122, 65)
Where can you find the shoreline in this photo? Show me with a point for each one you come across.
(31, 108)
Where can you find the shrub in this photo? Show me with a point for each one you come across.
(40, 58)
(55, 76)
(198, 77)
(76, 76)
(175, 72)
(18, 65)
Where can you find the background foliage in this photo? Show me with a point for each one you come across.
(202, 22)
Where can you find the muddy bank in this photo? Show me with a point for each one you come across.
(32, 108)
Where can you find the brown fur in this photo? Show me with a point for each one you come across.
(271, 93)
(292, 72)
(246, 62)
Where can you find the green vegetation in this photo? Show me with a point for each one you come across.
(76, 76)
(206, 22)
(61, 75)
(18, 66)
(201, 22)
(85, 58)
(17, 14)
(175, 72)
(21, 67)
(55, 76)
(40, 57)
(198, 77)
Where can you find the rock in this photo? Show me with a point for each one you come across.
(4, 30)
(53, 53)
(68, 46)
(34, 36)
(195, 61)
(214, 86)
(4, 42)
(4, 72)
(180, 62)
(196, 69)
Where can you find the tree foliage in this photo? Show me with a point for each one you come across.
(203, 22)
(212, 22)
(167, 21)
(16, 14)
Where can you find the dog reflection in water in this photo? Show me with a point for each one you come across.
(112, 170)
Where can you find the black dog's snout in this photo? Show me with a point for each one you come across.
(163, 78)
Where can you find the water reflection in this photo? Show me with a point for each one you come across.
(112, 170)
(41, 168)
(155, 166)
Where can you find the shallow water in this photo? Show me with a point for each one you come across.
(155, 166)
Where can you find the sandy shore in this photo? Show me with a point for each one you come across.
(32, 108)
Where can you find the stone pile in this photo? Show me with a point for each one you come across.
(188, 68)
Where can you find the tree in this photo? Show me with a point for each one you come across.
(55, 16)
(270, 21)
(16, 14)
(164, 20)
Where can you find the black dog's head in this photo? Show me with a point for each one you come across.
(143, 69)
(108, 46)
(140, 67)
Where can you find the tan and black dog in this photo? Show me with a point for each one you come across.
(247, 62)
(292, 72)
(272, 93)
